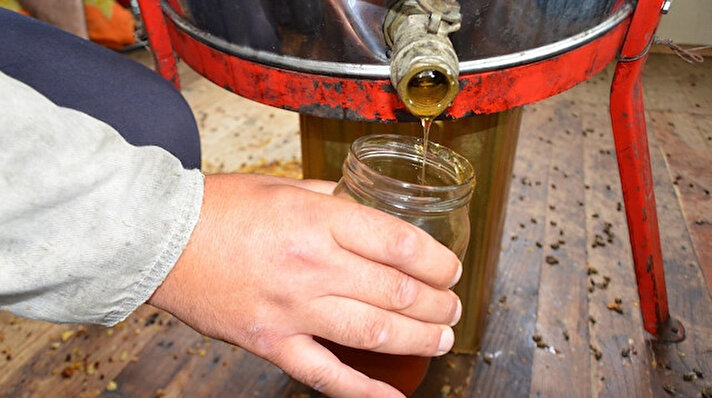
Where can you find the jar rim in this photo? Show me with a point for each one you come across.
(406, 195)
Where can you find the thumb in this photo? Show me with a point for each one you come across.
(312, 364)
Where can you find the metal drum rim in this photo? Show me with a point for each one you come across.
(371, 71)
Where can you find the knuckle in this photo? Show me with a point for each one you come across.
(261, 340)
(321, 378)
(280, 195)
(403, 245)
(374, 334)
(404, 292)
(296, 251)
(293, 249)
(302, 250)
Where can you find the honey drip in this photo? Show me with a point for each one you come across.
(426, 122)
(426, 93)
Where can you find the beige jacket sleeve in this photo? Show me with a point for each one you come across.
(89, 224)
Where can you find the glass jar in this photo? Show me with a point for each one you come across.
(386, 172)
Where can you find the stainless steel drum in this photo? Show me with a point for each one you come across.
(345, 37)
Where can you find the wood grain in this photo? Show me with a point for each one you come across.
(688, 157)
(688, 294)
(615, 321)
(511, 322)
(561, 364)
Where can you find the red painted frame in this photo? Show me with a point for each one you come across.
(361, 99)
(158, 38)
(631, 140)
(481, 93)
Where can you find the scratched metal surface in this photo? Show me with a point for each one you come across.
(351, 30)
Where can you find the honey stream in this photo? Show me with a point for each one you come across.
(425, 95)
(426, 123)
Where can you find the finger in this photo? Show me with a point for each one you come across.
(312, 364)
(359, 325)
(390, 289)
(385, 239)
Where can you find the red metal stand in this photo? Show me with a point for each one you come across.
(482, 93)
(631, 140)
(155, 27)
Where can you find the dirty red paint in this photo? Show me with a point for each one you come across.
(375, 100)
(631, 140)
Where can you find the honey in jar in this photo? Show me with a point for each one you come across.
(429, 188)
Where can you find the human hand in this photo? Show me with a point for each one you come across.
(273, 262)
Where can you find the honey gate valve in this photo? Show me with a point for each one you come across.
(424, 65)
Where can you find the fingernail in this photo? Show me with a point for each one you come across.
(447, 339)
(458, 274)
(458, 313)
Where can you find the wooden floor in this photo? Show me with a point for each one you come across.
(565, 202)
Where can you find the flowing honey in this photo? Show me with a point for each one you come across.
(425, 99)
(426, 123)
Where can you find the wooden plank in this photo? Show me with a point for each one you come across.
(20, 342)
(269, 381)
(228, 371)
(507, 342)
(661, 88)
(160, 361)
(692, 80)
(179, 362)
(671, 84)
(688, 154)
(619, 364)
(689, 298)
(64, 366)
(561, 366)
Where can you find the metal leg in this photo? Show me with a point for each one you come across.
(629, 131)
(159, 40)
(631, 140)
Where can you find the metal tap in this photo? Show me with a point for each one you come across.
(424, 65)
